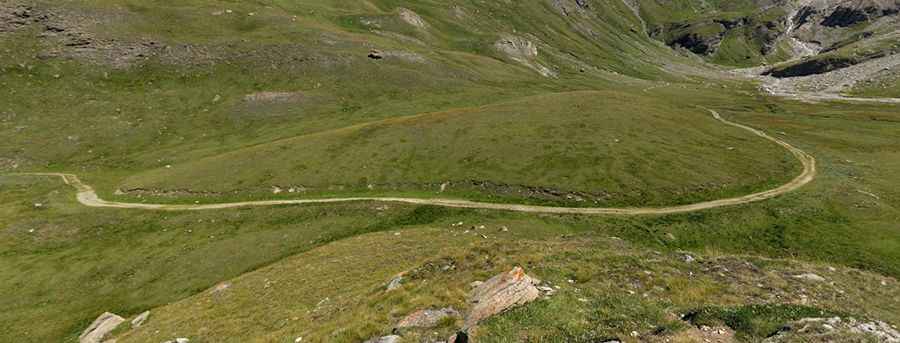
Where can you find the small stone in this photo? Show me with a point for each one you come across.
(298, 340)
(140, 319)
(395, 283)
(375, 55)
(182, 340)
(810, 277)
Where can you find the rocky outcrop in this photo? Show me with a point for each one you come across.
(853, 12)
(412, 18)
(522, 51)
(697, 43)
(811, 67)
(834, 329)
(103, 325)
(800, 28)
(500, 293)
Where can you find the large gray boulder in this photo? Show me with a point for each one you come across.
(500, 293)
(103, 325)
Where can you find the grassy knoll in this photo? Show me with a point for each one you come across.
(596, 142)
(336, 293)
(64, 263)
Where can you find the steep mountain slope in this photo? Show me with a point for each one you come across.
(243, 100)
(746, 33)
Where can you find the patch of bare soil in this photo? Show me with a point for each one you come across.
(273, 97)
(703, 334)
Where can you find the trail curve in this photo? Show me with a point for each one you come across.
(88, 197)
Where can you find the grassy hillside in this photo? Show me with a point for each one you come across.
(128, 261)
(292, 87)
(549, 102)
(732, 33)
(601, 145)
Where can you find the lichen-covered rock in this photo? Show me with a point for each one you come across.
(500, 293)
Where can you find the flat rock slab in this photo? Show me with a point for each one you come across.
(104, 324)
(385, 339)
(427, 318)
(500, 293)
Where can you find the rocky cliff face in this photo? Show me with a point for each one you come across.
(846, 14)
(781, 30)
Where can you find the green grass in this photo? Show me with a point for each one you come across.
(467, 113)
(576, 143)
(887, 86)
(318, 297)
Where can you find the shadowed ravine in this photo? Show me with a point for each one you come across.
(88, 197)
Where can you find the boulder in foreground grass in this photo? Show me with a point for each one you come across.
(103, 325)
(385, 339)
(427, 318)
(500, 293)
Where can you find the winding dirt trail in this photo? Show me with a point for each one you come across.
(88, 197)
